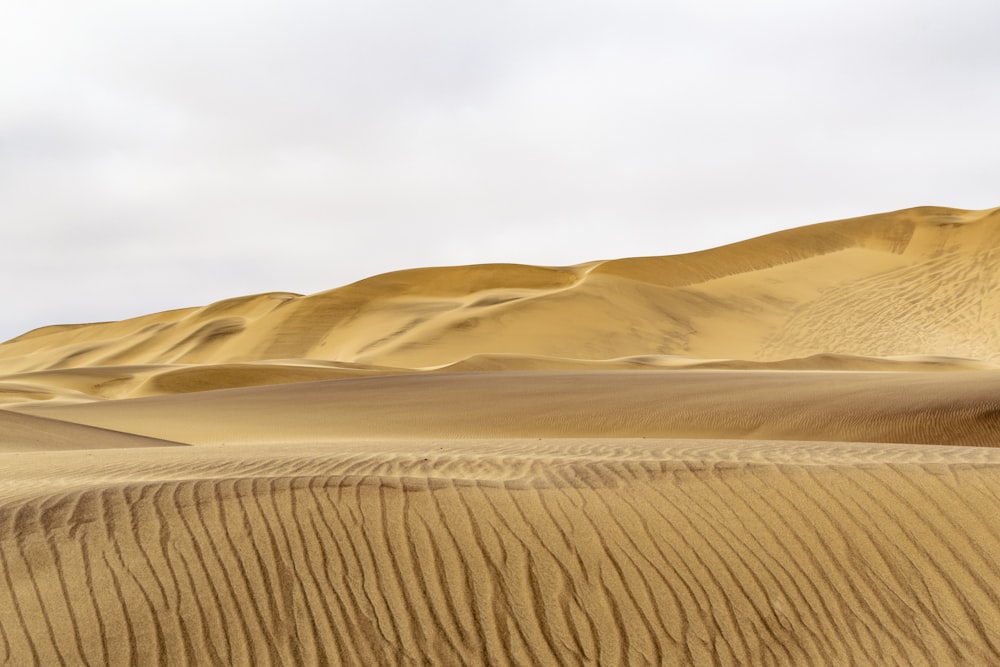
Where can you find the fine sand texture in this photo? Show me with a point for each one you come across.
(504, 553)
(778, 452)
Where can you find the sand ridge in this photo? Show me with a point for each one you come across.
(913, 282)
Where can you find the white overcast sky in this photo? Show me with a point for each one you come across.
(165, 153)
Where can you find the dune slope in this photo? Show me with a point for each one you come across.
(918, 408)
(510, 553)
(920, 281)
(20, 432)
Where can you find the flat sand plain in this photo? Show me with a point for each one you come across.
(776, 452)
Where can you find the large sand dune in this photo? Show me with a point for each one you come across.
(781, 451)
(916, 282)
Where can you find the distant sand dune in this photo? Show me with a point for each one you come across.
(914, 282)
(86, 384)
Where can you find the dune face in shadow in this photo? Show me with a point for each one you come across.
(778, 452)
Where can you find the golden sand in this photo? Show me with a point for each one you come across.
(775, 452)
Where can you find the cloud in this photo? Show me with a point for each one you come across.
(157, 155)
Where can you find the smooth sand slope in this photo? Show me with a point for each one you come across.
(778, 452)
(20, 433)
(919, 408)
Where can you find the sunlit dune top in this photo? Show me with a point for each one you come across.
(922, 282)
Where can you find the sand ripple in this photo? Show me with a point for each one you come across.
(515, 552)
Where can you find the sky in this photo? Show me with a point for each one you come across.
(164, 154)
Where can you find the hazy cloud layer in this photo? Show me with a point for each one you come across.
(165, 154)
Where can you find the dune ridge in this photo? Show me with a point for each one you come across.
(914, 282)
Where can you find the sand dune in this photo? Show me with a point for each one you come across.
(19, 432)
(85, 384)
(816, 362)
(622, 552)
(914, 282)
(918, 408)
(778, 452)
